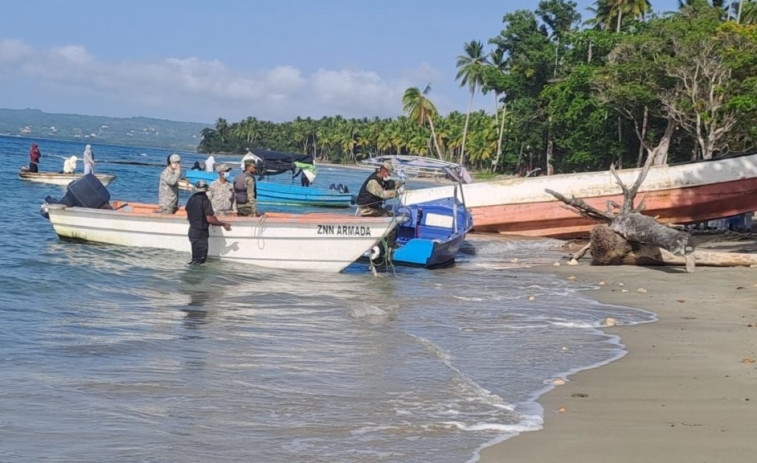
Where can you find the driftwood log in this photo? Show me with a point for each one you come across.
(609, 248)
(629, 237)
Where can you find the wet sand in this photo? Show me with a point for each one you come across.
(687, 389)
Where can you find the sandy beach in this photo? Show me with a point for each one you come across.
(687, 389)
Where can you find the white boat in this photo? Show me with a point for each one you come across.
(675, 194)
(55, 178)
(316, 241)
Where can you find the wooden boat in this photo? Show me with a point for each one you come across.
(279, 193)
(55, 178)
(316, 241)
(676, 194)
(432, 233)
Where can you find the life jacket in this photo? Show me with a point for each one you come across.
(366, 198)
(240, 188)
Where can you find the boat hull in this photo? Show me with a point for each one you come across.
(316, 241)
(682, 194)
(54, 178)
(433, 233)
(276, 193)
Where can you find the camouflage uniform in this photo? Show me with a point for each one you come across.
(168, 190)
(221, 197)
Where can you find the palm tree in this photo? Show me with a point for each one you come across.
(420, 109)
(470, 72)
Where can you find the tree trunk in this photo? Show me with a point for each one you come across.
(499, 140)
(609, 248)
(436, 142)
(465, 129)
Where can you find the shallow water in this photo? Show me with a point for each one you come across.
(120, 354)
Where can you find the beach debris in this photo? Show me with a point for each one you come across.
(621, 284)
(556, 264)
(602, 283)
(623, 290)
(580, 395)
(609, 321)
(572, 278)
(681, 300)
(747, 360)
(641, 290)
(558, 381)
(565, 349)
(562, 410)
(531, 298)
(514, 260)
(572, 262)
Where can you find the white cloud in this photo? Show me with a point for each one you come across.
(201, 90)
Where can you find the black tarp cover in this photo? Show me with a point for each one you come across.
(278, 162)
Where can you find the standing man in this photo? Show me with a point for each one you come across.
(168, 188)
(200, 216)
(221, 192)
(89, 160)
(245, 189)
(210, 163)
(376, 188)
(34, 155)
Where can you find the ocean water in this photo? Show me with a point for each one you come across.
(126, 355)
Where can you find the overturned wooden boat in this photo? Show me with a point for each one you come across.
(675, 194)
(55, 178)
(315, 241)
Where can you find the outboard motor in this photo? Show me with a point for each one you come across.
(86, 191)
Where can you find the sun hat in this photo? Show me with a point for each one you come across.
(201, 185)
(388, 166)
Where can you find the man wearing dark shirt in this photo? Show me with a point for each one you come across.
(200, 216)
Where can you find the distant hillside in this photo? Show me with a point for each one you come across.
(137, 131)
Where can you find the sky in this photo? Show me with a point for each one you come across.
(273, 60)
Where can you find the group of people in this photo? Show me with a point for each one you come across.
(208, 202)
(69, 164)
(222, 196)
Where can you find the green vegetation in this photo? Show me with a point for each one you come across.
(569, 96)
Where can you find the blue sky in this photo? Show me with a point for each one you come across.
(274, 60)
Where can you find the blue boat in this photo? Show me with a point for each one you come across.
(433, 232)
(280, 193)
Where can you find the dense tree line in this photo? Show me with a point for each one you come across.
(566, 95)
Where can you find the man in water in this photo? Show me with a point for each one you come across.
(376, 188)
(168, 187)
(221, 191)
(200, 215)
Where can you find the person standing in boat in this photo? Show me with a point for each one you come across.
(210, 163)
(89, 160)
(201, 215)
(221, 192)
(376, 188)
(245, 189)
(168, 188)
(307, 173)
(34, 156)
